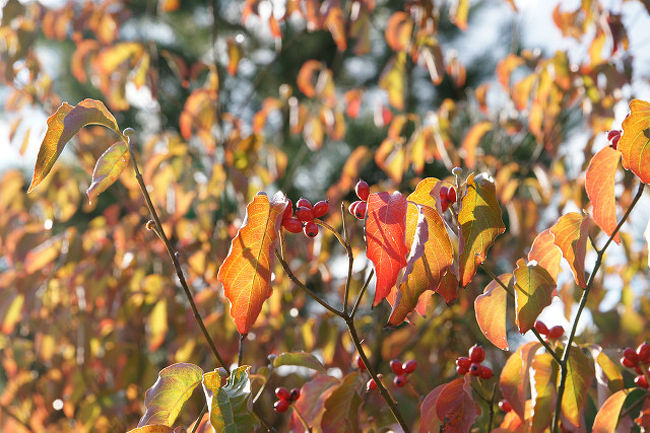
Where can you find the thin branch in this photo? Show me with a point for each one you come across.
(581, 307)
(634, 406)
(173, 254)
(198, 420)
(240, 352)
(491, 408)
(361, 293)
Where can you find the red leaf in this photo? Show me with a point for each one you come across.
(571, 234)
(429, 421)
(456, 406)
(599, 183)
(490, 310)
(385, 234)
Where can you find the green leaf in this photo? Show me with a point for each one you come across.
(108, 168)
(490, 311)
(300, 359)
(580, 373)
(164, 400)
(533, 292)
(228, 404)
(342, 407)
(62, 126)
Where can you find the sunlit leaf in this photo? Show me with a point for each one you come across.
(608, 414)
(480, 221)
(335, 22)
(459, 12)
(385, 234)
(635, 141)
(456, 406)
(108, 168)
(300, 359)
(11, 316)
(599, 183)
(152, 429)
(43, 255)
(234, 55)
(433, 59)
(342, 407)
(158, 324)
(472, 140)
(164, 400)
(391, 158)
(533, 291)
(543, 390)
(546, 253)
(490, 311)
(505, 68)
(580, 373)
(608, 374)
(393, 80)
(305, 79)
(513, 381)
(62, 126)
(571, 233)
(398, 31)
(228, 404)
(246, 271)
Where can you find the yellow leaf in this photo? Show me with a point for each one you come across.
(108, 168)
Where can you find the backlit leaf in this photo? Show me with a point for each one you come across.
(459, 12)
(152, 429)
(228, 404)
(305, 79)
(108, 168)
(543, 391)
(513, 381)
(505, 68)
(385, 234)
(62, 126)
(571, 233)
(393, 80)
(490, 310)
(342, 407)
(301, 359)
(472, 140)
(608, 414)
(599, 183)
(481, 223)
(608, 374)
(533, 291)
(398, 31)
(157, 324)
(246, 271)
(635, 141)
(335, 22)
(580, 373)
(546, 253)
(456, 406)
(164, 400)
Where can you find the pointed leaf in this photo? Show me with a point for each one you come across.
(342, 407)
(108, 168)
(513, 381)
(472, 140)
(608, 414)
(385, 234)
(246, 272)
(571, 233)
(635, 141)
(456, 406)
(599, 183)
(481, 223)
(228, 404)
(543, 391)
(490, 310)
(164, 400)
(62, 126)
(300, 359)
(580, 373)
(429, 421)
(533, 291)
(546, 253)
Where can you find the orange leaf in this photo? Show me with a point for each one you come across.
(234, 55)
(505, 68)
(108, 168)
(305, 77)
(571, 233)
(246, 272)
(335, 23)
(480, 221)
(459, 12)
(635, 141)
(600, 181)
(398, 31)
(152, 429)
(533, 291)
(385, 234)
(514, 381)
(490, 310)
(472, 140)
(546, 253)
(433, 59)
(62, 126)
(607, 416)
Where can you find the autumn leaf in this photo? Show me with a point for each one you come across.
(385, 235)
(228, 404)
(62, 126)
(506, 67)
(599, 183)
(246, 271)
(580, 373)
(157, 321)
(393, 80)
(459, 12)
(164, 400)
(335, 22)
(429, 421)
(543, 379)
(108, 168)
(607, 372)
(472, 140)
(571, 233)
(456, 406)
(609, 413)
(305, 78)
(342, 407)
(300, 359)
(398, 31)
(490, 311)
(311, 403)
(152, 429)
(546, 253)
(513, 381)
(480, 221)
(635, 141)
(533, 291)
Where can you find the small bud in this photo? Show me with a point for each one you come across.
(150, 225)
(456, 171)
(129, 132)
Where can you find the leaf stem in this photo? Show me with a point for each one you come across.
(581, 307)
(240, 352)
(361, 293)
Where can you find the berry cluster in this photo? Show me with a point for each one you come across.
(554, 333)
(472, 364)
(285, 398)
(402, 371)
(359, 207)
(447, 197)
(639, 361)
(613, 136)
(304, 217)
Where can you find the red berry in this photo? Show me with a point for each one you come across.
(451, 195)
(555, 332)
(292, 224)
(362, 189)
(613, 133)
(288, 211)
(475, 369)
(320, 209)
(371, 385)
(303, 202)
(282, 393)
(444, 204)
(626, 362)
(462, 370)
(485, 372)
(476, 353)
(399, 381)
(410, 366)
(443, 192)
(304, 214)
(630, 354)
(641, 381)
(281, 406)
(464, 362)
(644, 352)
(360, 210)
(311, 229)
(541, 327)
(360, 365)
(396, 366)
(295, 394)
(614, 141)
(505, 406)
